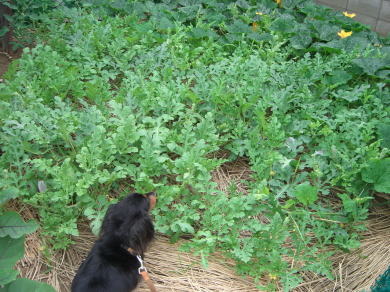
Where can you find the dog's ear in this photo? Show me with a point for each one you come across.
(107, 220)
(137, 233)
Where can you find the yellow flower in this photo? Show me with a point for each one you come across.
(259, 13)
(350, 15)
(272, 276)
(279, 2)
(254, 26)
(344, 34)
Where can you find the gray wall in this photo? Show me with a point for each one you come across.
(375, 13)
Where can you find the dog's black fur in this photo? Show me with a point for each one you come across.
(109, 267)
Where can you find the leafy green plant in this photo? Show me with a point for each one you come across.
(12, 231)
(378, 173)
(146, 96)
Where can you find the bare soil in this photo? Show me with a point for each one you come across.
(4, 61)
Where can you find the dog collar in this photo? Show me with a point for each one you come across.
(143, 271)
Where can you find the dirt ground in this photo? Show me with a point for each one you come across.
(4, 61)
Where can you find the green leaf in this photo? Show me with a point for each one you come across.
(383, 74)
(239, 27)
(306, 193)
(22, 284)
(352, 95)
(199, 32)
(186, 227)
(378, 173)
(384, 134)
(12, 250)
(289, 203)
(242, 253)
(301, 40)
(7, 276)
(205, 262)
(369, 65)
(327, 32)
(283, 24)
(348, 204)
(354, 43)
(164, 23)
(8, 194)
(11, 224)
(333, 46)
(338, 77)
(260, 37)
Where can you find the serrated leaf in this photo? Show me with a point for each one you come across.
(242, 254)
(186, 227)
(306, 193)
(348, 204)
(378, 173)
(11, 224)
(22, 284)
(352, 95)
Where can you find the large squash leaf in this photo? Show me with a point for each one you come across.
(11, 224)
(378, 173)
(23, 284)
(12, 250)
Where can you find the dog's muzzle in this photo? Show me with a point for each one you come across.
(152, 199)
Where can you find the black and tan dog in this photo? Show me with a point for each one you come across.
(112, 264)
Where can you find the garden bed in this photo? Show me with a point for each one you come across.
(174, 270)
(263, 127)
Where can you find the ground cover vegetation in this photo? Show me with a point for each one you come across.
(117, 96)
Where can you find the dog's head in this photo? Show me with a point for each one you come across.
(129, 222)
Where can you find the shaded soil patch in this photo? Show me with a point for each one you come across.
(4, 61)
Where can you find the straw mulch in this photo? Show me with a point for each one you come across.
(357, 271)
(172, 270)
